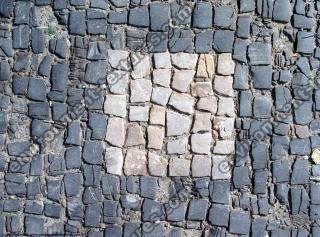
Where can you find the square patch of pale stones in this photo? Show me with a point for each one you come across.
(169, 114)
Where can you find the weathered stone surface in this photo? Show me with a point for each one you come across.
(155, 137)
(134, 135)
(223, 85)
(157, 165)
(225, 64)
(177, 124)
(182, 79)
(182, 102)
(140, 90)
(201, 143)
(162, 77)
(135, 162)
(116, 105)
(115, 132)
(201, 166)
(179, 167)
(209, 104)
(184, 60)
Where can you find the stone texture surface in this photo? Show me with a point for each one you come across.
(113, 112)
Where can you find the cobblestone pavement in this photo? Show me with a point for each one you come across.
(128, 118)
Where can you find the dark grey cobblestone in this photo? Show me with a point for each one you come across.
(65, 150)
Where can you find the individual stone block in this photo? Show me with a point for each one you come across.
(223, 85)
(259, 53)
(305, 42)
(182, 102)
(141, 65)
(72, 182)
(97, 26)
(220, 192)
(37, 40)
(160, 95)
(260, 182)
(162, 60)
(135, 162)
(202, 15)
(220, 167)
(225, 64)
(59, 77)
(283, 99)
(303, 22)
(118, 17)
(239, 222)
(77, 23)
(175, 213)
(73, 157)
(208, 104)
(179, 167)
(4, 71)
(162, 77)
(20, 37)
(118, 82)
(157, 41)
(139, 16)
(6, 8)
(203, 42)
(280, 171)
(282, 11)
(182, 79)
(262, 107)
(37, 89)
(202, 122)
(225, 126)
(157, 115)
(20, 149)
(34, 225)
(197, 210)
(241, 177)
(223, 16)
(115, 132)
(73, 134)
(180, 40)
(148, 187)
(201, 143)
(206, 66)
(159, 16)
(155, 137)
(225, 106)
(184, 60)
(92, 152)
(262, 77)
(157, 165)
(140, 90)
(260, 155)
(177, 124)
(116, 105)
(134, 135)
(96, 73)
(201, 166)
(39, 110)
(303, 112)
(139, 113)
(178, 146)
(300, 172)
(119, 59)
(114, 160)
(219, 215)
(223, 41)
(243, 26)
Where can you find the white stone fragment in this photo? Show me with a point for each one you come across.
(114, 160)
(116, 105)
(115, 131)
